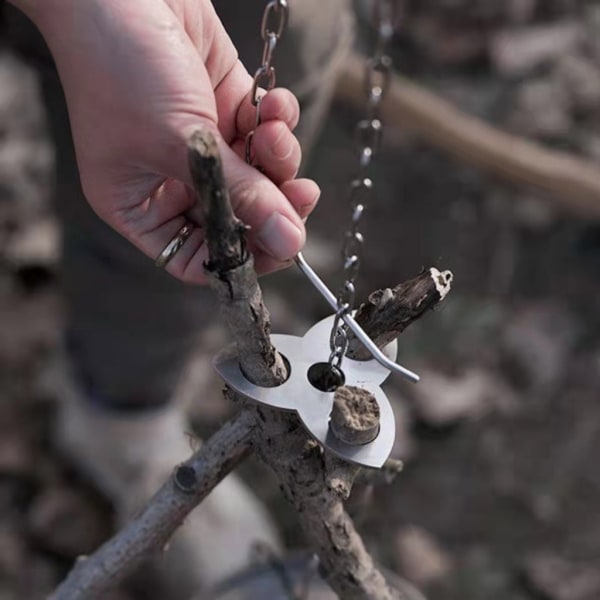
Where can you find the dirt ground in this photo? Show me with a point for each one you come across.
(500, 492)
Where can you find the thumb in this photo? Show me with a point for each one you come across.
(276, 229)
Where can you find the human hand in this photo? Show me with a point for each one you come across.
(139, 78)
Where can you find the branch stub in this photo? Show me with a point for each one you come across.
(185, 478)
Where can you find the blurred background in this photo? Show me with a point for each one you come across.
(500, 494)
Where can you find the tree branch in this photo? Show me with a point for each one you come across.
(231, 268)
(387, 313)
(147, 534)
(572, 181)
(316, 483)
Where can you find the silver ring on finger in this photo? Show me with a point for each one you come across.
(174, 246)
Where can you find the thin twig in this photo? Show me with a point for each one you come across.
(573, 182)
(147, 534)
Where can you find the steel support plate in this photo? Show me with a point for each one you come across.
(312, 405)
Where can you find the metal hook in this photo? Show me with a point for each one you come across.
(358, 331)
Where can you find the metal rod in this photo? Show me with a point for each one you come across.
(358, 331)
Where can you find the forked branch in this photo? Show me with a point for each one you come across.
(316, 483)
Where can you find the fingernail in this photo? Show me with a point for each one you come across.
(280, 237)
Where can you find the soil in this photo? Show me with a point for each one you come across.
(500, 492)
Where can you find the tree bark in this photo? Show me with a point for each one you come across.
(316, 483)
(387, 313)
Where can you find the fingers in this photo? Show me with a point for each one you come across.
(273, 204)
(302, 194)
(187, 264)
(271, 212)
(277, 105)
(275, 216)
(275, 228)
(274, 149)
(154, 223)
(170, 200)
(263, 264)
(258, 202)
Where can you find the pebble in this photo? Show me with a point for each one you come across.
(441, 400)
(558, 579)
(580, 77)
(516, 52)
(37, 244)
(420, 557)
(542, 109)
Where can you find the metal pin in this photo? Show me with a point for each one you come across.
(358, 331)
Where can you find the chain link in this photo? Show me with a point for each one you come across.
(274, 22)
(368, 136)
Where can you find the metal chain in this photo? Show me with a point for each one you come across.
(274, 22)
(368, 135)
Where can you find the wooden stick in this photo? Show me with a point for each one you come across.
(387, 313)
(573, 182)
(231, 268)
(317, 484)
(147, 534)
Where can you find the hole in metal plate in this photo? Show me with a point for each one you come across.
(325, 377)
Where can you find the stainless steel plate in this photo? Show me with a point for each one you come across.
(312, 405)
